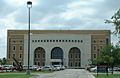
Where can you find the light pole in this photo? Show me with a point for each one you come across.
(29, 5)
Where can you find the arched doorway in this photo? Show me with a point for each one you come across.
(57, 56)
(39, 56)
(74, 58)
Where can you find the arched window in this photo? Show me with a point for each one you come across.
(39, 56)
(74, 57)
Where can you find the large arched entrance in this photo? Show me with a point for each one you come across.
(74, 58)
(56, 56)
(39, 56)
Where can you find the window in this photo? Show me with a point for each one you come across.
(62, 40)
(101, 41)
(35, 56)
(72, 40)
(75, 40)
(35, 40)
(44, 40)
(47, 40)
(13, 55)
(94, 41)
(94, 56)
(38, 40)
(32, 40)
(101, 46)
(71, 64)
(65, 40)
(78, 40)
(50, 40)
(14, 47)
(38, 55)
(75, 63)
(94, 47)
(59, 40)
(81, 41)
(21, 47)
(13, 41)
(20, 41)
(43, 63)
(43, 55)
(20, 55)
(70, 55)
(56, 40)
(35, 63)
(41, 40)
(38, 63)
(75, 55)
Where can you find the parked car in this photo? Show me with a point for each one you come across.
(93, 69)
(39, 68)
(48, 67)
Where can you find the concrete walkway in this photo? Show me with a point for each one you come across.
(68, 73)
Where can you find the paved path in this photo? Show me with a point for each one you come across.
(68, 73)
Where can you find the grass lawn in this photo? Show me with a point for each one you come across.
(109, 76)
(20, 74)
(13, 75)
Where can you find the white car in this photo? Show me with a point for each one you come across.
(93, 69)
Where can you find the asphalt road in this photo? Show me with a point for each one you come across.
(68, 73)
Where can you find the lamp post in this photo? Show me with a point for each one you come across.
(29, 5)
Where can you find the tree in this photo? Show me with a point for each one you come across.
(115, 20)
(3, 61)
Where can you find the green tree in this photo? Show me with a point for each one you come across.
(115, 20)
(3, 61)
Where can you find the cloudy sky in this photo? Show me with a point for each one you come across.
(55, 15)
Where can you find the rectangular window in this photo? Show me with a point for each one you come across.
(94, 56)
(94, 47)
(21, 48)
(43, 55)
(14, 47)
(38, 55)
(13, 55)
(20, 55)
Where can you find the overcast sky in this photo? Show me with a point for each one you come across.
(55, 15)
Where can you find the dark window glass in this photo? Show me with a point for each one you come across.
(107, 41)
(72, 40)
(59, 40)
(94, 41)
(32, 40)
(65, 40)
(21, 48)
(35, 40)
(50, 40)
(57, 53)
(38, 55)
(41, 40)
(14, 47)
(81, 41)
(20, 55)
(47, 40)
(62, 40)
(38, 40)
(75, 40)
(53, 40)
(44, 40)
(56, 40)
(13, 55)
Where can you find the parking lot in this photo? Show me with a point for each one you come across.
(67, 73)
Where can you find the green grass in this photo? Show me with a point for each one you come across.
(109, 76)
(20, 74)
(13, 75)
